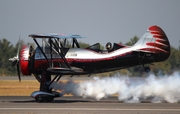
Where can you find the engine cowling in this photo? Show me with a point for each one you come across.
(24, 60)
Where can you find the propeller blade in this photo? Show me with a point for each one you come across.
(18, 70)
(14, 63)
(15, 59)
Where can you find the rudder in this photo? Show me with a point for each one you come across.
(154, 41)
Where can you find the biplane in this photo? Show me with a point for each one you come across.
(61, 54)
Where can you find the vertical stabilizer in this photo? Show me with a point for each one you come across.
(154, 41)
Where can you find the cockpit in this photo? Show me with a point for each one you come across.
(109, 48)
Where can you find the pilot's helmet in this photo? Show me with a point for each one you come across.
(108, 46)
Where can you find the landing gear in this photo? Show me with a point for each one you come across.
(46, 94)
(41, 96)
(146, 69)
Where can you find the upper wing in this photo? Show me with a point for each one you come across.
(55, 35)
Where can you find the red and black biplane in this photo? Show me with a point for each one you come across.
(57, 56)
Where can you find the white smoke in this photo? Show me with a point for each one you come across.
(128, 89)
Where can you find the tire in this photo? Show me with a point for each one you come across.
(41, 99)
(147, 69)
(49, 99)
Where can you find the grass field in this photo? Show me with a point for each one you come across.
(16, 88)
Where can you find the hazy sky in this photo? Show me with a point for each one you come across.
(98, 20)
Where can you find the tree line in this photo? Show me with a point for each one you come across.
(8, 50)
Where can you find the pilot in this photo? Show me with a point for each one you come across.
(109, 46)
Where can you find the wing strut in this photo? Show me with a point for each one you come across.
(75, 42)
(54, 79)
(41, 49)
(61, 54)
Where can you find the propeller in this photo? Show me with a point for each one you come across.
(15, 60)
(18, 70)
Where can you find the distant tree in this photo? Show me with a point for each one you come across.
(132, 41)
(6, 52)
(174, 59)
(83, 45)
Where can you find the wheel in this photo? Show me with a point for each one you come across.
(41, 99)
(147, 69)
(49, 99)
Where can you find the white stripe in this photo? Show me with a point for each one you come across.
(84, 109)
(162, 44)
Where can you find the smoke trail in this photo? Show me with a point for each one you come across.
(128, 89)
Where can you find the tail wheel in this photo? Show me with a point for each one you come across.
(147, 69)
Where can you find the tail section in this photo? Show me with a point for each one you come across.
(155, 41)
